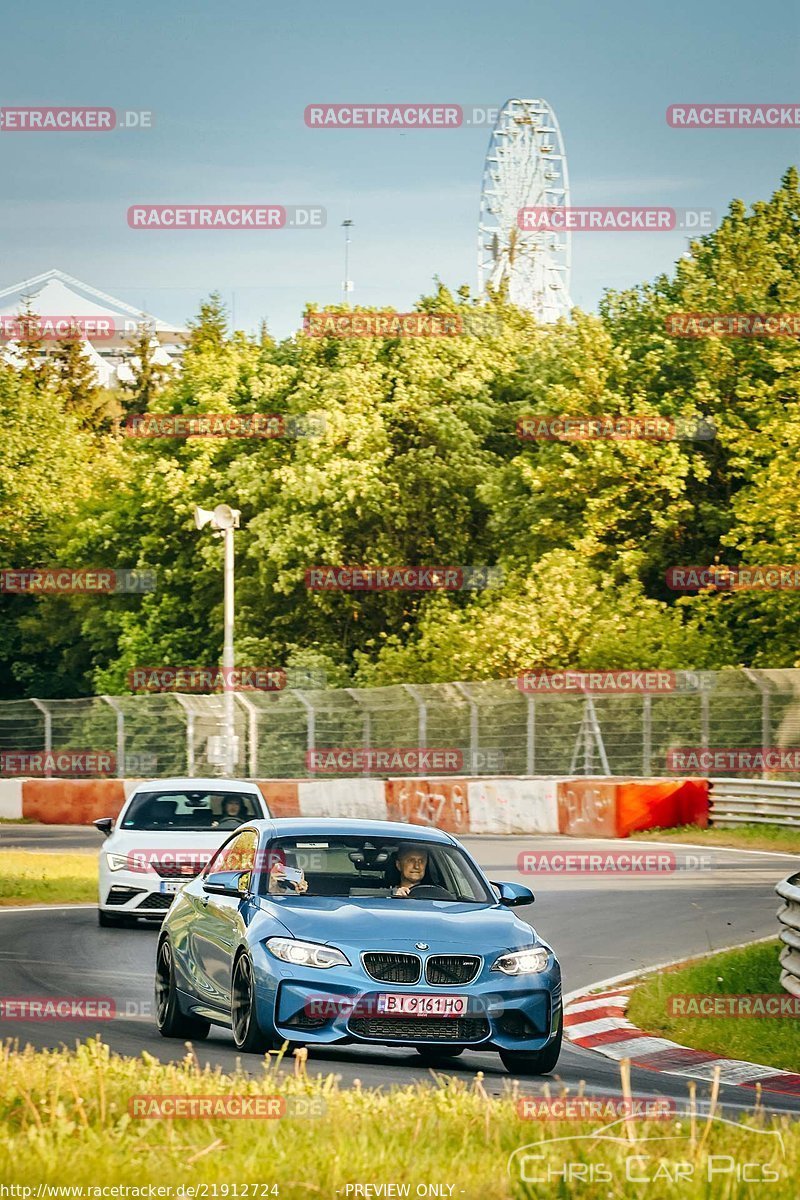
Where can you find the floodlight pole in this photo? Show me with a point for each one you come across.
(227, 653)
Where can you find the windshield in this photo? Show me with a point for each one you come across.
(176, 811)
(358, 867)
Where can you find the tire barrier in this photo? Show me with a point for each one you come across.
(578, 807)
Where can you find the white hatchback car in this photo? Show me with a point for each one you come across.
(164, 836)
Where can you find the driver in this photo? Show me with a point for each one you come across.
(232, 810)
(412, 863)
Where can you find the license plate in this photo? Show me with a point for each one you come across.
(399, 1004)
(172, 885)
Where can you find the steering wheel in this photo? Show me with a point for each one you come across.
(428, 891)
(229, 823)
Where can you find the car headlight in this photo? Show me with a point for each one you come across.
(117, 862)
(530, 961)
(306, 954)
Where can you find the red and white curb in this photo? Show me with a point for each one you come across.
(598, 1022)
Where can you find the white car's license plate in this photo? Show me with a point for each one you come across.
(399, 1004)
(172, 885)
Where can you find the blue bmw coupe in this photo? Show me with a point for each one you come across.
(328, 932)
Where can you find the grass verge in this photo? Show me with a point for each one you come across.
(28, 877)
(774, 1041)
(67, 1119)
(744, 837)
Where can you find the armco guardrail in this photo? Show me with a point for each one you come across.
(754, 802)
(789, 917)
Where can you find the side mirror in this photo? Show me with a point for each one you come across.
(105, 825)
(227, 883)
(513, 894)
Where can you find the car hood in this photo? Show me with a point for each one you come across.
(375, 923)
(202, 841)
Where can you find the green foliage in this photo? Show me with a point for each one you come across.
(417, 462)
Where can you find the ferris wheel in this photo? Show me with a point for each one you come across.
(525, 166)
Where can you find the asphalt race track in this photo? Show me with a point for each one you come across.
(600, 925)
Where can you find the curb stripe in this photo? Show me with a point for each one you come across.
(597, 1022)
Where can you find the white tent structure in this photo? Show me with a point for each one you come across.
(107, 324)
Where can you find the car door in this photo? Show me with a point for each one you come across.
(217, 922)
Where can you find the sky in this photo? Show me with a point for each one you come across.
(227, 87)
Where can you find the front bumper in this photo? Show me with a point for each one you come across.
(339, 1005)
(137, 893)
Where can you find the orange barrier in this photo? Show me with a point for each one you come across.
(281, 796)
(71, 801)
(661, 804)
(587, 808)
(442, 803)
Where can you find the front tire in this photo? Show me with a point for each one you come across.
(520, 1062)
(247, 1033)
(172, 1023)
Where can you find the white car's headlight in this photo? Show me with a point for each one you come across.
(118, 862)
(530, 961)
(306, 954)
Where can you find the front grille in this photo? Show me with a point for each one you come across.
(121, 895)
(156, 900)
(178, 870)
(420, 1029)
(392, 968)
(448, 970)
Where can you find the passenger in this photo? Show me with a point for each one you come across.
(280, 884)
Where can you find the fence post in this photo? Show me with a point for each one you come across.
(530, 736)
(704, 719)
(647, 734)
(184, 703)
(473, 726)
(114, 703)
(252, 733)
(48, 728)
(366, 736)
(766, 716)
(422, 715)
(311, 725)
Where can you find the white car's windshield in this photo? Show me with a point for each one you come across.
(176, 811)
